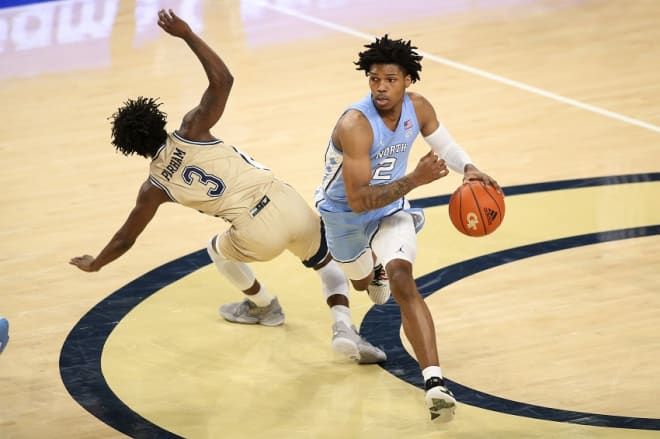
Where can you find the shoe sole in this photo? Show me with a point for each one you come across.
(232, 319)
(346, 348)
(277, 322)
(443, 409)
(370, 358)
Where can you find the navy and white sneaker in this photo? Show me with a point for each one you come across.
(439, 400)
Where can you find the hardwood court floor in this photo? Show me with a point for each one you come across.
(556, 314)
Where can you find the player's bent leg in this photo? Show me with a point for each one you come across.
(258, 307)
(238, 273)
(416, 317)
(418, 327)
(365, 277)
(395, 239)
(345, 339)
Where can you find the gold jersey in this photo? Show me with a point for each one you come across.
(212, 177)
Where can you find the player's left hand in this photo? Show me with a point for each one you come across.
(472, 173)
(85, 263)
(172, 24)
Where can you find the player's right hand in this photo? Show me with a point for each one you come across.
(85, 263)
(429, 168)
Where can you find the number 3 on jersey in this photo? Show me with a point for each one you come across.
(217, 187)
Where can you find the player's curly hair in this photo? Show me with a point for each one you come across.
(387, 51)
(138, 127)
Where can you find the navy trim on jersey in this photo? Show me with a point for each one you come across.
(158, 184)
(160, 149)
(195, 142)
(339, 168)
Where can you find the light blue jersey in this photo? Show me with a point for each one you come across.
(350, 233)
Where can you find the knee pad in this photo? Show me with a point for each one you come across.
(212, 250)
(333, 280)
(238, 273)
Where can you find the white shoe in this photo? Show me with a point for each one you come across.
(347, 342)
(379, 288)
(439, 400)
(249, 313)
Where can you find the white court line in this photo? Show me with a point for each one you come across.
(472, 70)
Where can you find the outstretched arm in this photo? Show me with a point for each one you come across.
(441, 142)
(197, 123)
(146, 205)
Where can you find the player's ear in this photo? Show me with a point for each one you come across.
(408, 80)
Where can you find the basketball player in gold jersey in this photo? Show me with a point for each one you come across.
(192, 167)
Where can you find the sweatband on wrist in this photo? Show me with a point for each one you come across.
(446, 148)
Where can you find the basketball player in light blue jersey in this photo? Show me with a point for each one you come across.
(369, 224)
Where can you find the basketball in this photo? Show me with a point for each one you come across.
(476, 209)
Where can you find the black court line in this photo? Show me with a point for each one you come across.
(382, 323)
(80, 357)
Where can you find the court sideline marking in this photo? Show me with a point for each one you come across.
(471, 70)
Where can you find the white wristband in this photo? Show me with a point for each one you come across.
(446, 147)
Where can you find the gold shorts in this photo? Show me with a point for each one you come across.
(284, 222)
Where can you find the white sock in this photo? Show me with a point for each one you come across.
(341, 313)
(262, 298)
(431, 371)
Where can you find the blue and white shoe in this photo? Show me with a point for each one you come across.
(4, 333)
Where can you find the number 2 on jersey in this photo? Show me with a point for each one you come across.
(384, 169)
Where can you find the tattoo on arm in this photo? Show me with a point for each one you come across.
(383, 194)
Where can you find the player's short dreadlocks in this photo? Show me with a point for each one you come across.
(388, 51)
(139, 127)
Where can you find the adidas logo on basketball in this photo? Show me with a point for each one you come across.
(490, 215)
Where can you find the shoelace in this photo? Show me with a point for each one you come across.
(380, 275)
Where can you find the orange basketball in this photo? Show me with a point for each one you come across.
(476, 209)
